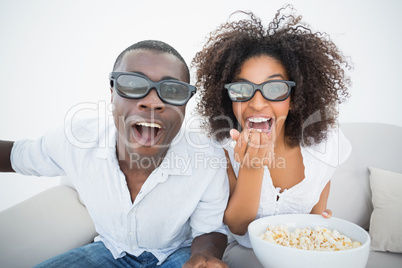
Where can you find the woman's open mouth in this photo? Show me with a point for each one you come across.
(263, 124)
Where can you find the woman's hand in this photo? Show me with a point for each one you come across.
(254, 149)
(327, 213)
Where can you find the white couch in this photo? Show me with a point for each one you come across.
(55, 220)
(373, 145)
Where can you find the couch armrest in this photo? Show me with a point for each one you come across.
(43, 226)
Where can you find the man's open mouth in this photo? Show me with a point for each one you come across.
(148, 133)
(264, 124)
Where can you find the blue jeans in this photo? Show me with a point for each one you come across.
(97, 255)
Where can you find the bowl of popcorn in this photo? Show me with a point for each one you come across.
(306, 240)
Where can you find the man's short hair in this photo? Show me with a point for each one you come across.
(154, 45)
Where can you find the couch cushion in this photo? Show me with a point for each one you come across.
(384, 260)
(385, 224)
(43, 226)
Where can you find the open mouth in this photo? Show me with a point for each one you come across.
(263, 124)
(148, 133)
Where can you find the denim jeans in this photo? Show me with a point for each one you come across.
(97, 255)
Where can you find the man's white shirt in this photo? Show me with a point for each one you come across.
(184, 197)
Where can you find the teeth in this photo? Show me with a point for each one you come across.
(259, 119)
(146, 124)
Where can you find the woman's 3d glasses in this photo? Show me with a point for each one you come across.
(136, 86)
(273, 90)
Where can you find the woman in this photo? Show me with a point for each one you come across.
(273, 91)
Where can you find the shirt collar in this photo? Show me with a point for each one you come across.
(107, 142)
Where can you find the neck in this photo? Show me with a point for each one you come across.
(136, 163)
(136, 166)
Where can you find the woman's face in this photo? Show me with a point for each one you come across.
(258, 112)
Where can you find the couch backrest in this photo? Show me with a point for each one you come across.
(373, 145)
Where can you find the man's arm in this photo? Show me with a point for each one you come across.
(5, 152)
(207, 251)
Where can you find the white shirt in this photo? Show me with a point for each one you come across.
(184, 197)
(320, 162)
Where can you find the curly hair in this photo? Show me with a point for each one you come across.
(311, 59)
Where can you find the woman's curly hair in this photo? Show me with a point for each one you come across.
(311, 59)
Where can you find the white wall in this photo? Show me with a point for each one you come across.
(57, 54)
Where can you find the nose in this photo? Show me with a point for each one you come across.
(151, 102)
(258, 102)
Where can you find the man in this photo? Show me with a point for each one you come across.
(148, 207)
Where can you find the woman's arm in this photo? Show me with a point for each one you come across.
(231, 175)
(250, 151)
(243, 204)
(321, 206)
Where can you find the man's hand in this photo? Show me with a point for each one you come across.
(5, 152)
(207, 250)
(199, 260)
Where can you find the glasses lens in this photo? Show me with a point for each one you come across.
(240, 91)
(174, 93)
(275, 90)
(132, 86)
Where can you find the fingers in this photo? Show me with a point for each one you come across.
(253, 146)
(234, 134)
(257, 144)
(327, 213)
(241, 147)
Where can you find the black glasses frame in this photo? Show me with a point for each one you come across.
(152, 85)
(259, 87)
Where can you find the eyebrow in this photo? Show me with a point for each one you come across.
(163, 78)
(269, 77)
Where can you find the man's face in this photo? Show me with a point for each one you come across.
(147, 126)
